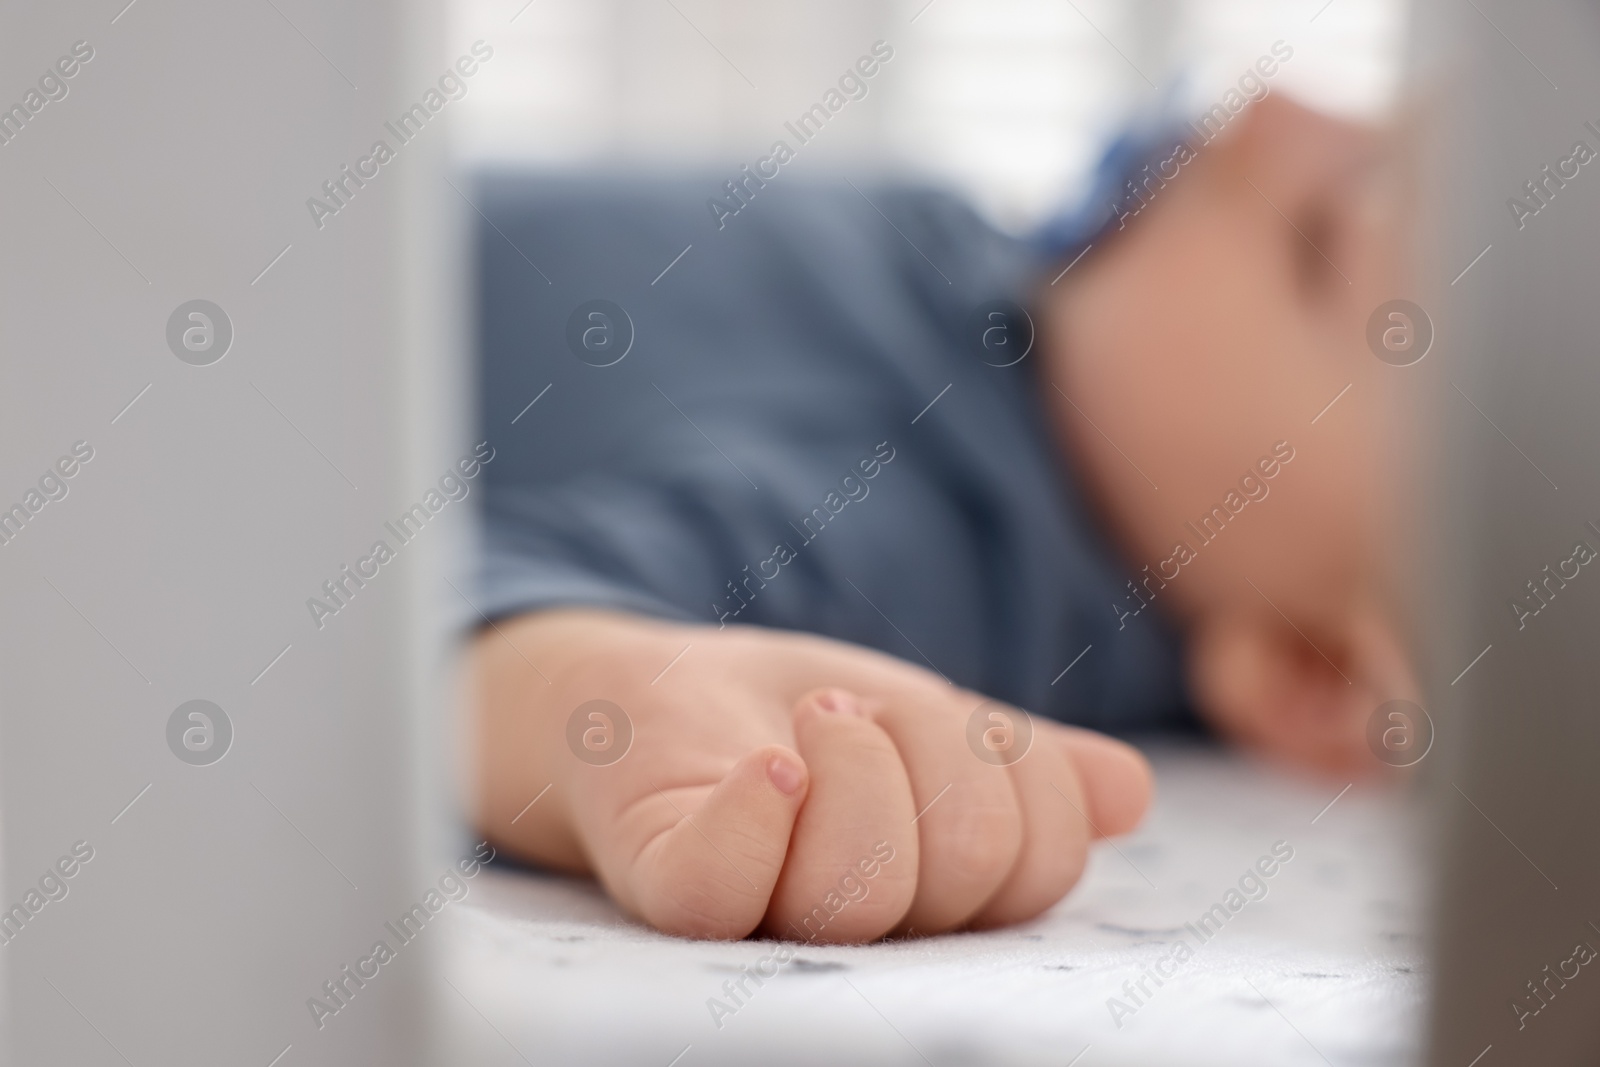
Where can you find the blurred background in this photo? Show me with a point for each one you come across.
(1008, 100)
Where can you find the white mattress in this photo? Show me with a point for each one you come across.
(1325, 969)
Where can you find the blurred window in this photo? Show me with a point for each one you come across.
(1009, 100)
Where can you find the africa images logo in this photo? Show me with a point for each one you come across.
(1252, 887)
(1253, 486)
(343, 186)
(853, 85)
(342, 588)
(52, 87)
(452, 886)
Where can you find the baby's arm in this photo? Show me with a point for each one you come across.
(779, 782)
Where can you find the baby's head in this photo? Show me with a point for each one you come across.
(1213, 386)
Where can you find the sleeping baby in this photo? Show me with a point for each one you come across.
(843, 540)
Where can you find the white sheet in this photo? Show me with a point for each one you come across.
(1325, 969)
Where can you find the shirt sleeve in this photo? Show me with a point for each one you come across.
(800, 426)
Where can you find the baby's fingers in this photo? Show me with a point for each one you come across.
(1115, 776)
(852, 867)
(1055, 828)
(711, 871)
(1072, 785)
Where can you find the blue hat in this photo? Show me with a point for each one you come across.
(1111, 197)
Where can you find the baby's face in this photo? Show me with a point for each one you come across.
(1211, 382)
(1201, 351)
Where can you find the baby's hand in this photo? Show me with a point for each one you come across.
(781, 782)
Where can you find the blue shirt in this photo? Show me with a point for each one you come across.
(811, 417)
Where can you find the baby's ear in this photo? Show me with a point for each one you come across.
(1260, 683)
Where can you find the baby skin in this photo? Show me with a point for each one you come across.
(763, 765)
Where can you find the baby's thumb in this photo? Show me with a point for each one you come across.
(712, 874)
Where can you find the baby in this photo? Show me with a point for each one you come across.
(808, 520)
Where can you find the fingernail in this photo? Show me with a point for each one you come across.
(838, 702)
(785, 774)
